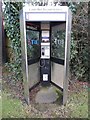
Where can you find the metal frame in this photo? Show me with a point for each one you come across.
(67, 56)
(24, 56)
(45, 10)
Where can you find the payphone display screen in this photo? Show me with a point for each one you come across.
(58, 41)
(33, 44)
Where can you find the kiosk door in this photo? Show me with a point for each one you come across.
(58, 31)
(33, 52)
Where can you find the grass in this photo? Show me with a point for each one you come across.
(11, 107)
(80, 111)
(79, 105)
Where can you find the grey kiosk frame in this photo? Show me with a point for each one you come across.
(45, 14)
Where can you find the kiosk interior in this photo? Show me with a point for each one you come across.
(45, 41)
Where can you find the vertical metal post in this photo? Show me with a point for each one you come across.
(67, 56)
(24, 56)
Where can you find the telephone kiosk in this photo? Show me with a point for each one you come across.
(45, 44)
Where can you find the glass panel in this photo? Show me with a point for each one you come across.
(33, 44)
(58, 41)
(57, 74)
(34, 74)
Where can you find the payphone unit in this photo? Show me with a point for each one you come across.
(45, 52)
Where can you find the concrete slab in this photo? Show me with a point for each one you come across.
(46, 95)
